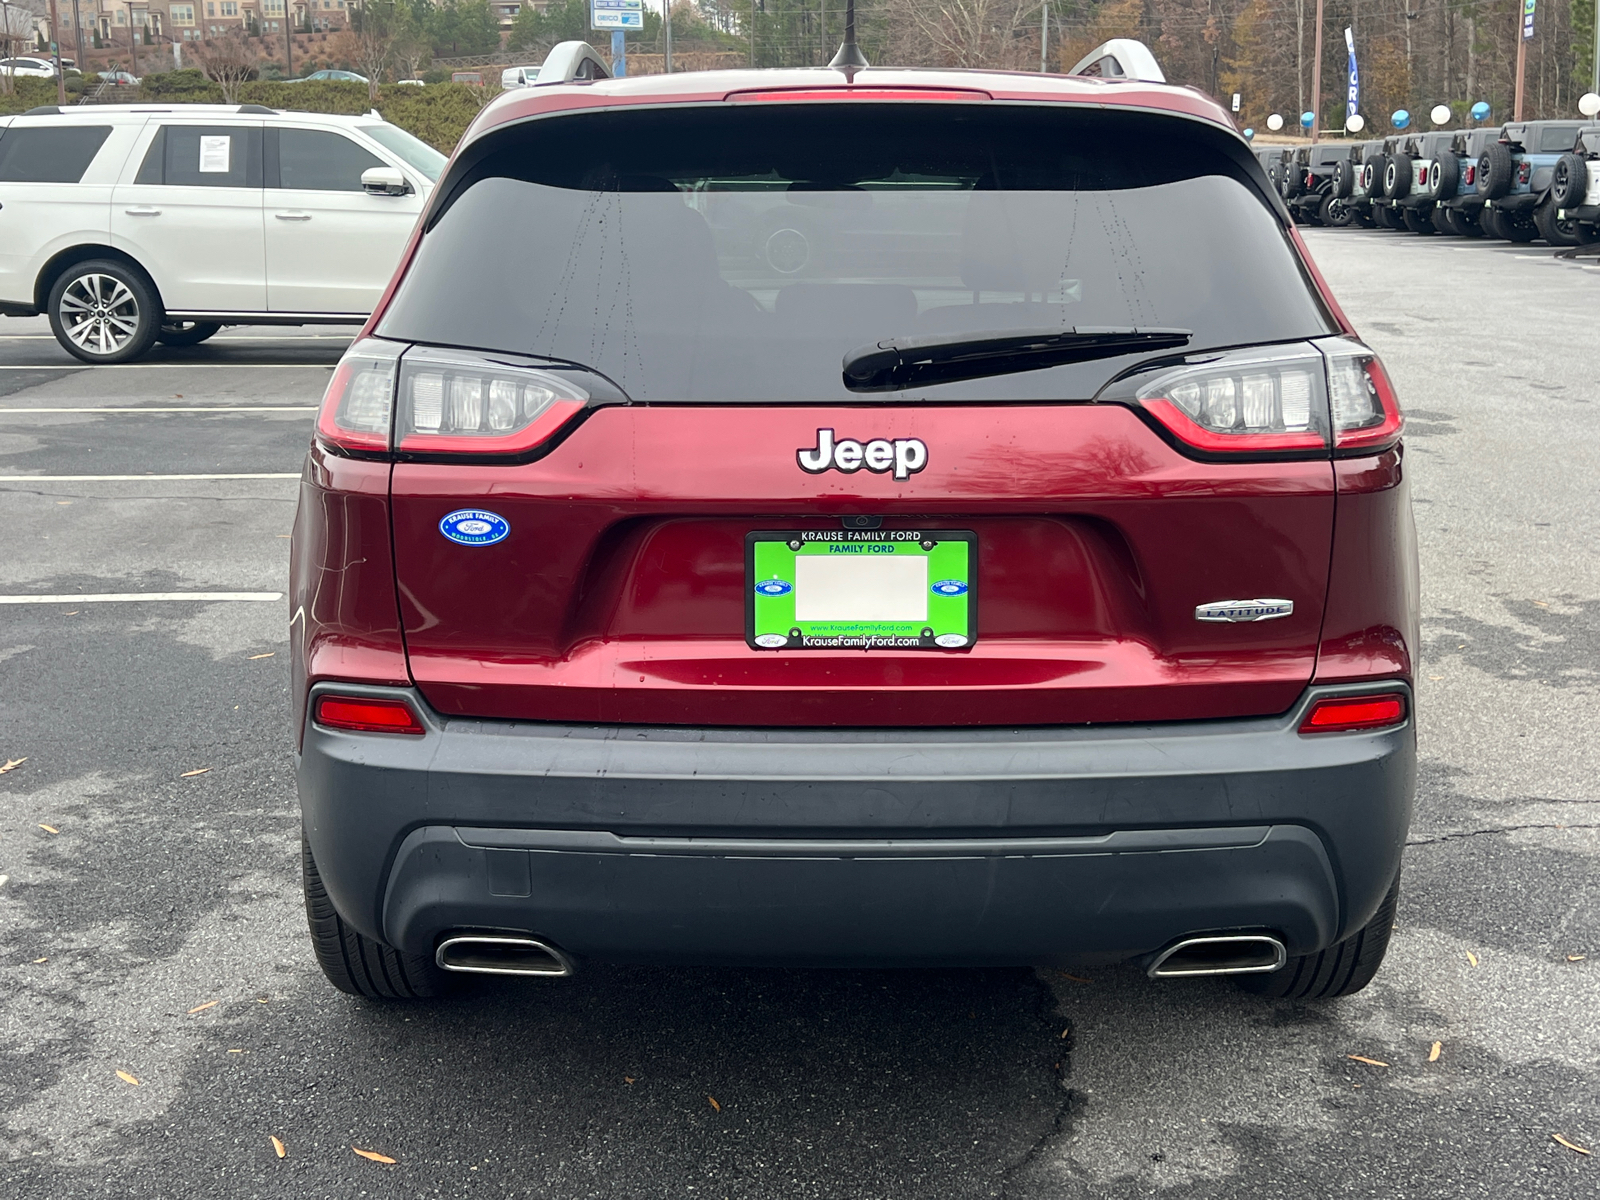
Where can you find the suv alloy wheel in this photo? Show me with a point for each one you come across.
(103, 312)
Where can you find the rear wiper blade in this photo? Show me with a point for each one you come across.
(897, 363)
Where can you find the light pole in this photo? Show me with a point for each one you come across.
(133, 40)
(1316, 77)
(1044, 37)
(55, 40)
(1523, 21)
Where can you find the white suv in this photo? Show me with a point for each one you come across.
(132, 224)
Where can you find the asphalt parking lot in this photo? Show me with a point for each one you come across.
(151, 922)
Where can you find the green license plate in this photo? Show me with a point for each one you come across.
(861, 589)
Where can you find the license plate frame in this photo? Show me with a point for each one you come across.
(950, 557)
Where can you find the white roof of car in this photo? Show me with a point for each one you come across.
(92, 114)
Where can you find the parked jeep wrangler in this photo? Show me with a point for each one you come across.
(1458, 213)
(1515, 175)
(1575, 186)
(1363, 155)
(1420, 171)
(1316, 171)
(1385, 213)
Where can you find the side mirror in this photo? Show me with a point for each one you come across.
(384, 181)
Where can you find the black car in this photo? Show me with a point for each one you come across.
(1317, 173)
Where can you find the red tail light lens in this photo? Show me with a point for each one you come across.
(1366, 414)
(359, 401)
(1340, 714)
(367, 715)
(1471, 174)
(454, 402)
(1262, 401)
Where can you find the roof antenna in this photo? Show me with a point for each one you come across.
(849, 59)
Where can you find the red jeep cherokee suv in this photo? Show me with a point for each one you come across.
(933, 517)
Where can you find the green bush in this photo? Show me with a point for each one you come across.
(188, 86)
(437, 113)
(29, 93)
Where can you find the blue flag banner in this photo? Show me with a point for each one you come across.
(1353, 103)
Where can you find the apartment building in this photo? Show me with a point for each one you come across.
(166, 21)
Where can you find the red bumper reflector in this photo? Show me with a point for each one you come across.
(367, 715)
(1342, 713)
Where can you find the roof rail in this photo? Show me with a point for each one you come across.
(1121, 58)
(569, 61)
(258, 108)
(44, 110)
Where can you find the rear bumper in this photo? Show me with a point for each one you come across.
(1584, 212)
(1524, 202)
(862, 846)
(1470, 203)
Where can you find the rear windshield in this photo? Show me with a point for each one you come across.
(49, 154)
(738, 252)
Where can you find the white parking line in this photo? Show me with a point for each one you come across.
(236, 408)
(132, 597)
(4, 479)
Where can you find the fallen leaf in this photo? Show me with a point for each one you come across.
(628, 1079)
(714, 1103)
(189, 774)
(73, 613)
(63, 502)
(1433, 1055)
(279, 1148)
(12, 764)
(1371, 1062)
(268, 654)
(1066, 1031)
(373, 1155)
(283, 535)
(1074, 978)
(126, 1078)
(1576, 957)
(1541, 604)
(1472, 958)
(40, 960)
(203, 1007)
(49, 828)
(1569, 1145)
(235, 1051)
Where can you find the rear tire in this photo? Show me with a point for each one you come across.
(356, 964)
(1561, 233)
(1340, 970)
(103, 311)
(1516, 227)
(1440, 216)
(1415, 221)
(186, 333)
(1336, 212)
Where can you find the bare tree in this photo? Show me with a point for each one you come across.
(227, 61)
(971, 33)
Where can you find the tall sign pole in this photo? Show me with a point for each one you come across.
(1316, 77)
(666, 16)
(1522, 56)
(55, 40)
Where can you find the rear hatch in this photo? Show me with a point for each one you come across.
(641, 356)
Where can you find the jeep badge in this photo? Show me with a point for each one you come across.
(905, 456)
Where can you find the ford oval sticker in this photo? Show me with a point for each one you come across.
(949, 587)
(475, 527)
(774, 587)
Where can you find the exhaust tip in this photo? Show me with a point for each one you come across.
(489, 954)
(1227, 954)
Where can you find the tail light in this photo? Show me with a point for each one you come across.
(364, 714)
(359, 402)
(1311, 179)
(1366, 415)
(1252, 402)
(1523, 171)
(456, 402)
(449, 402)
(1471, 170)
(1341, 714)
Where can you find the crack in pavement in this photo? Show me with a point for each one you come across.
(1470, 833)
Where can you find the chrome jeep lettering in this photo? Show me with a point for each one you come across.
(903, 456)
